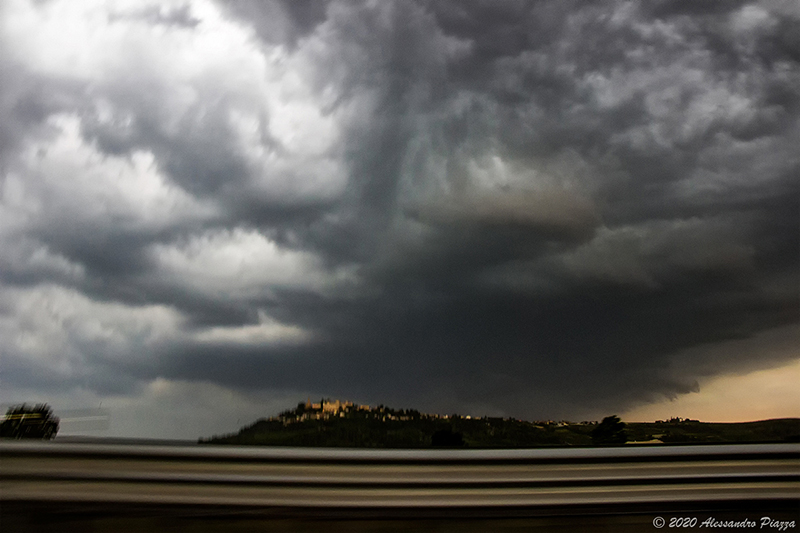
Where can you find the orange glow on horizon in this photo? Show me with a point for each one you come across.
(759, 395)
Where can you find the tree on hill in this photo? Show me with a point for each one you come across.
(447, 438)
(29, 422)
(610, 431)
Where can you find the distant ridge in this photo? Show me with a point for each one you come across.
(336, 423)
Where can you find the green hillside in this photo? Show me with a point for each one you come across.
(342, 424)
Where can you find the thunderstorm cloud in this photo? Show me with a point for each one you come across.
(535, 209)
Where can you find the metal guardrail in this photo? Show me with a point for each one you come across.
(395, 479)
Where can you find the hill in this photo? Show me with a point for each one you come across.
(344, 424)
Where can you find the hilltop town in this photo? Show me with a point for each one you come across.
(326, 409)
(346, 424)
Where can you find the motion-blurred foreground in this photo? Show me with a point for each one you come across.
(207, 488)
(29, 422)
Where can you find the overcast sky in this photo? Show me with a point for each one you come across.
(213, 210)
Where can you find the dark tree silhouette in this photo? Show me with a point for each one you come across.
(610, 431)
(447, 438)
(29, 422)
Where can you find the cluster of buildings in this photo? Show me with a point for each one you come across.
(320, 411)
(326, 408)
(334, 406)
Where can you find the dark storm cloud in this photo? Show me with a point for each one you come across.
(434, 320)
(282, 20)
(28, 99)
(545, 204)
(199, 156)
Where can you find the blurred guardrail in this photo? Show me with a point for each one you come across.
(395, 479)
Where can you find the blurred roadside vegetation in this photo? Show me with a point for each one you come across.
(29, 422)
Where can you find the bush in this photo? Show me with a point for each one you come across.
(610, 431)
(447, 438)
(29, 422)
